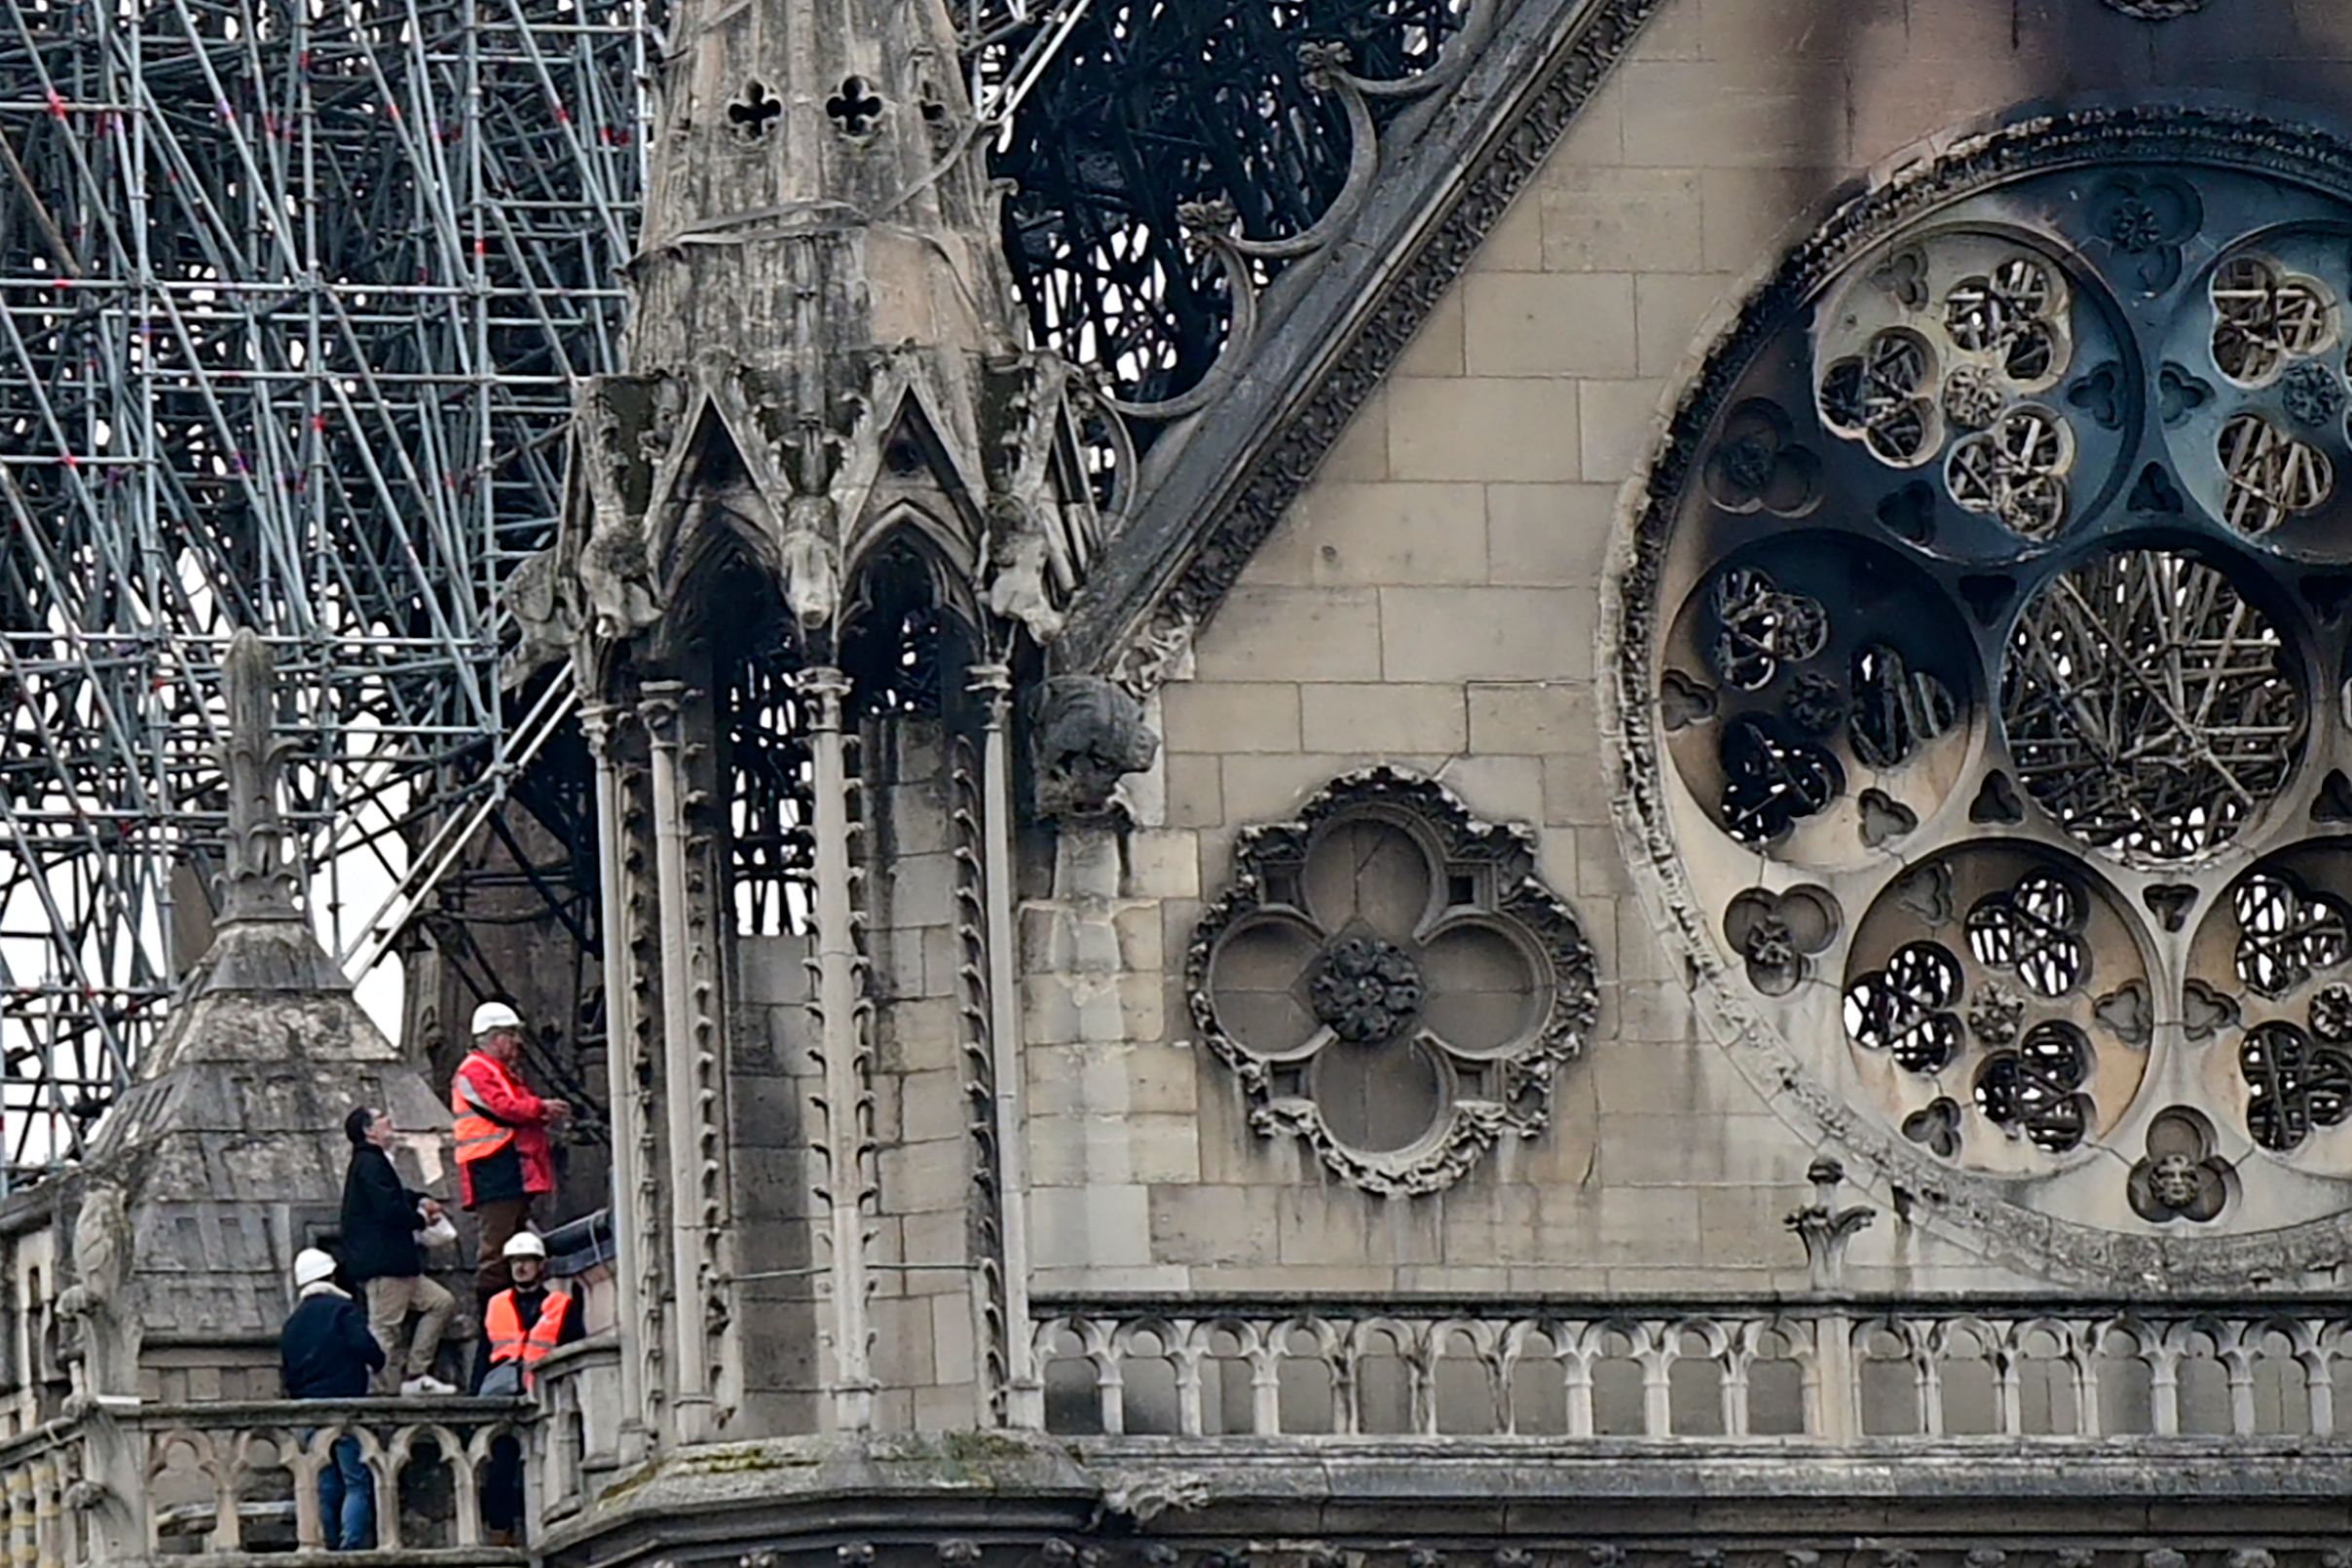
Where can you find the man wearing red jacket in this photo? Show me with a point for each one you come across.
(504, 1160)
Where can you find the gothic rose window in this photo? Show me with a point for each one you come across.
(1982, 673)
(1391, 983)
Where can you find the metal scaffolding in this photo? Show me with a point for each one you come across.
(292, 293)
(292, 297)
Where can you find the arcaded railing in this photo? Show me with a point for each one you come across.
(578, 1434)
(39, 1471)
(1883, 1370)
(230, 1481)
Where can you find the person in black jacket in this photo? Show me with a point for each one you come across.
(325, 1352)
(381, 1218)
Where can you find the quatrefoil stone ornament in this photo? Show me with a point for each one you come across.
(1391, 983)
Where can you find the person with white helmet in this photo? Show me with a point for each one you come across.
(504, 1158)
(523, 1325)
(325, 1352)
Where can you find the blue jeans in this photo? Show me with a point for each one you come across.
(346, 1499)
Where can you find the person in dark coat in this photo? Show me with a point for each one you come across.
(325, 1352)
(381, 1258)
(525, 1323)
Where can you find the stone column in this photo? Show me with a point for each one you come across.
(621, 1081)
(1025, 1390)
(690, 1390)
(843, 1013)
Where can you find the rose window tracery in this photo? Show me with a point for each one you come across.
(2031, 705)
(2147, 706)
(1391, 983)
(1997, 1001)
(2265, 316)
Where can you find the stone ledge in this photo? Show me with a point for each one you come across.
(780, 1488)
(1336, 1486)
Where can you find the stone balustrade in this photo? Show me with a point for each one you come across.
(577, 1436)
(1758, 1369)
(235, 1479)
(40, 1476)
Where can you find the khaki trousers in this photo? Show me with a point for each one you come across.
(389, 1304)
(498, 1221)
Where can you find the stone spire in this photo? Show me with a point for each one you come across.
(825, 329)
(227, 1156)
(815, 189)
(826, 365)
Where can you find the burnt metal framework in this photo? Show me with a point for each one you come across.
(292, 303)
(1154, 122)
(1981, 671)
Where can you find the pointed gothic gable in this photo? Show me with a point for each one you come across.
(1337, 325)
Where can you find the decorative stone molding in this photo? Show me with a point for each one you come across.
(1354, 962)
(2156, 10)
(1826, 1229)
(1947, 807)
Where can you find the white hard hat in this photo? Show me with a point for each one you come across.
(525, 1244)
(495, 1015)
(310, 1265)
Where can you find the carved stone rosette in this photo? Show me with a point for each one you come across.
(1390, 982)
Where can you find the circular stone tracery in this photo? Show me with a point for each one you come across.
(2147, 706)
(2015, 676)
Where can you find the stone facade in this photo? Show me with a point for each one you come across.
(1433, 600)
(1191, 1019)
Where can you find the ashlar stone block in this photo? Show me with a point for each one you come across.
(1294, 634)
(1384, 719)
(1489, 428)
(1599, 218)
(1749, 113)
(1549, 534)
(1485, 634)
(1532, 716)
(1222, 716)
(1549, 324)
(1348, 535)
(1099, 1226)
(1215, 1225)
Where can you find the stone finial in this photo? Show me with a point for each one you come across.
(259, 884)
(1086, 735)
(1824, 1228)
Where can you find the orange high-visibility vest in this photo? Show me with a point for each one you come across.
(505, 1326)
(479, 1136)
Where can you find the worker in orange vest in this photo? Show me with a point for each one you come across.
(522, 1325)
(504, 1158)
